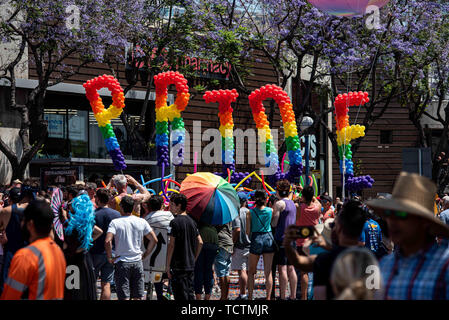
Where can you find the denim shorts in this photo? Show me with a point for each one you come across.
(103, 268)
(261, 242)
(223, 263)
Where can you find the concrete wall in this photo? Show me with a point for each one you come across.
(432, 110)
(11, 137)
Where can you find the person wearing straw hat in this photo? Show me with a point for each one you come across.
(418, 268)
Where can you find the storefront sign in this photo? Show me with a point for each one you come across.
(60, 176)
(312, 151)
(56, 127)
(204, 68)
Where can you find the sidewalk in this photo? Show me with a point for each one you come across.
(259, 288)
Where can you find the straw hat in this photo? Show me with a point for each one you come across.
(415, 195)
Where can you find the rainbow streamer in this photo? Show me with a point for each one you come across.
(171, 113)
(282, 99)
(346, 133)
(104, 116)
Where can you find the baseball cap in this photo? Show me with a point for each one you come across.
(15, 194)
(242, 196)
(326, 198)
(28, 191)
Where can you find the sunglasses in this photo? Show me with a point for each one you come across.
(397, 214)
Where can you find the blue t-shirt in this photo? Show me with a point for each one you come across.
(371, 235)
(103, 216)
(261, 219)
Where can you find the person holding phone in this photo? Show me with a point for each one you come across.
(258, 227)
(346, 230)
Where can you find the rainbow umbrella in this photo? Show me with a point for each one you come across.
(211, 199)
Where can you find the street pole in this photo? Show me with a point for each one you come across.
(306, 123)
(307, 160)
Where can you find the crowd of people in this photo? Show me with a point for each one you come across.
(318, 247)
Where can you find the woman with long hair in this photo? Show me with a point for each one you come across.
(350, 272)
(79, 235)
(258, 227)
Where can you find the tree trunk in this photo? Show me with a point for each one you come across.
(422, 142)
(18, 172)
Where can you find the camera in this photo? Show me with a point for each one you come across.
(305, 231)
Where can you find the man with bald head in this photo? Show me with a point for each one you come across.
(121, 182)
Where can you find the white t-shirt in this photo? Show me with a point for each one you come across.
(128, 233)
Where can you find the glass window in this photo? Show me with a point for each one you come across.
(56, 144)
(386, 136)
(77, 128)
(97, 147)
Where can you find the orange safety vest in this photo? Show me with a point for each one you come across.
(117, 206)
(40, 268)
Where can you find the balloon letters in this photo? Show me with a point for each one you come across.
(282, 99)
(170, 113)
(104, 116)
(224, 99)
(346, 133)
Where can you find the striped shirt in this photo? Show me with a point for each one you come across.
(422, 276)
(159, 219)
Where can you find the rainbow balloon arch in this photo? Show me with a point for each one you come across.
(174, 135)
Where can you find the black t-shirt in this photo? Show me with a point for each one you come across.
(103, 216)
(185, 231)
(322, 268)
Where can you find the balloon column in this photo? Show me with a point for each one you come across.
(347, 8)
(171, 113)
(224, 99)
(346, 133)
(282, 99)
(104, 116)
